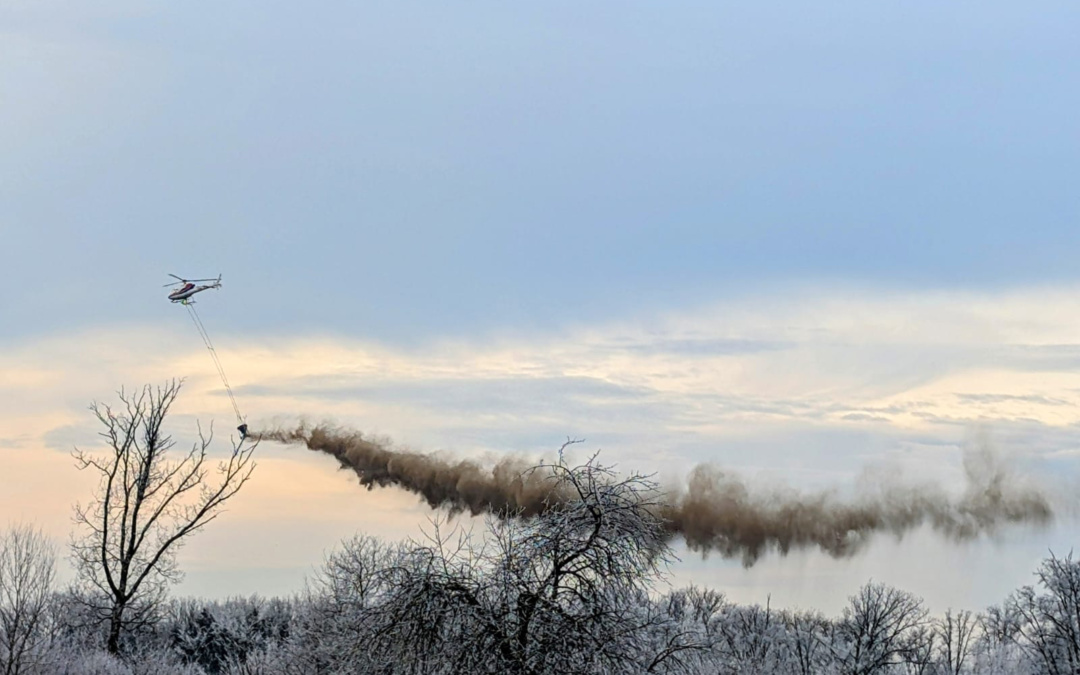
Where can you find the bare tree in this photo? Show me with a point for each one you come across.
(956, 631)
(573, 581)
(147, 503)
(563, 591)
(682, 637)
(350, 577)
(342, 616)
(1049, 622)
(918, 658)
(750, 636)
(806, 641)
(27, 571)
(881, 627)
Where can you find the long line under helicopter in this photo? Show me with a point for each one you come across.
(183, 296)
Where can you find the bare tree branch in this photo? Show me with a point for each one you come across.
(27, 572)
(146, 504)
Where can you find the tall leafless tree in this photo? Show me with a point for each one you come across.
(1049, 621)
(956, 633)
(881, 627)
(564, 591)
(806, 645)
(27, 571)
(750, 637)
(571, 582)
(148, 501)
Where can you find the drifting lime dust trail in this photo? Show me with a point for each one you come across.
(714, 510)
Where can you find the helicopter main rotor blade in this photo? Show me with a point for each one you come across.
(181, 280)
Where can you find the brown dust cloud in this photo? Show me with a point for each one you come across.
(713, 510)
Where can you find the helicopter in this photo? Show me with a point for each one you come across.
(183, 295)
(189, 288)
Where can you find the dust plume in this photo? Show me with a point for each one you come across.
(505, 487)
(714, 511)
(718, 511)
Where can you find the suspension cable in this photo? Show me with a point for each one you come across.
(213, 354)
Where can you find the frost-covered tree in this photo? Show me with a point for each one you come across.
(1046, 618)
(219, 636)
(27, 572)
(806, 644)
(996, 650)
(569, 585)
(956, 633)
(564, 591)
(881, 627)
(751, 639)
(683, 633)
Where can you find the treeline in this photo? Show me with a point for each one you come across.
(570, 591)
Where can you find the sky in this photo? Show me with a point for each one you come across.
(800, 241)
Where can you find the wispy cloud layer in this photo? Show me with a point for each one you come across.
(811, 389)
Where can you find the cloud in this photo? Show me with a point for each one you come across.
(69, 436)
(863, 417)
(20, 441)
(805, 390)
(704, 346)
(898, 365)
(1009, 398)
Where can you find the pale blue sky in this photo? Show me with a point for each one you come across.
(797, 239)
(403, 169)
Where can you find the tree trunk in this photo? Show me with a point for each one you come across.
(115, 623)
